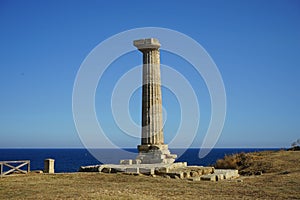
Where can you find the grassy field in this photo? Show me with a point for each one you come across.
(282, 181)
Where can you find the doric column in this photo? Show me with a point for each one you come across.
(152, 126)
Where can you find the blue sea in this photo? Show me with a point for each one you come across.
(69, 160)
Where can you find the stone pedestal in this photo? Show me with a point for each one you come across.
(150, 154)
(152, 148)
(49, 166)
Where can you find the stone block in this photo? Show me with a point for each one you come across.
(194, 174)
(132, 170)
(163, 170)
(186, 174)
(116, 170)
(147, 171)
(200, 172)
(209, 177)
(106, 170)
(152, 154)
(126, 162)
(49, 166)
(220, 177)
(207, 170)
(149, 43)
(178, 165)
(136, 161)
(92, 168)
(227, 173)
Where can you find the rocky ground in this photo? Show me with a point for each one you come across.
(280, 179)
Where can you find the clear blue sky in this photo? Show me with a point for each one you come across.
(255, 44)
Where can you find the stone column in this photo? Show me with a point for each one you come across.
(152, 148)
(152, 130)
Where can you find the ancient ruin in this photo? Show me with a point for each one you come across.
(152, 148)
(154, 157)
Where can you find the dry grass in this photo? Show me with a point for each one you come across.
(282, 183)
(264, 162)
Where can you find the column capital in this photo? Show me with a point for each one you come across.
(149, 43)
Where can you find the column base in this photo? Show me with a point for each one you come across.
(155, 153)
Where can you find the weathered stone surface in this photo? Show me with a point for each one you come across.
(152, 149)
(118, 169)
(162, 170)
(49, 166)
(150, 43)
(126, 162)
(219, 177)
(136, 161)
(195, 171)
(186, 174)
(132, 170)
(209, 177)
(92, 168)
(208, 170)
(178, 165)
(106, 170)
(147, 171)
(194, 174)
(227, 173)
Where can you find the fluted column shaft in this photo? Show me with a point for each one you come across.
(152, 127)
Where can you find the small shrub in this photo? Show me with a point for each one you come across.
(235, 161)
(228, 162)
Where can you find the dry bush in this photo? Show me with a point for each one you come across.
(228, 162)
(246, 163)
(235, 161)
